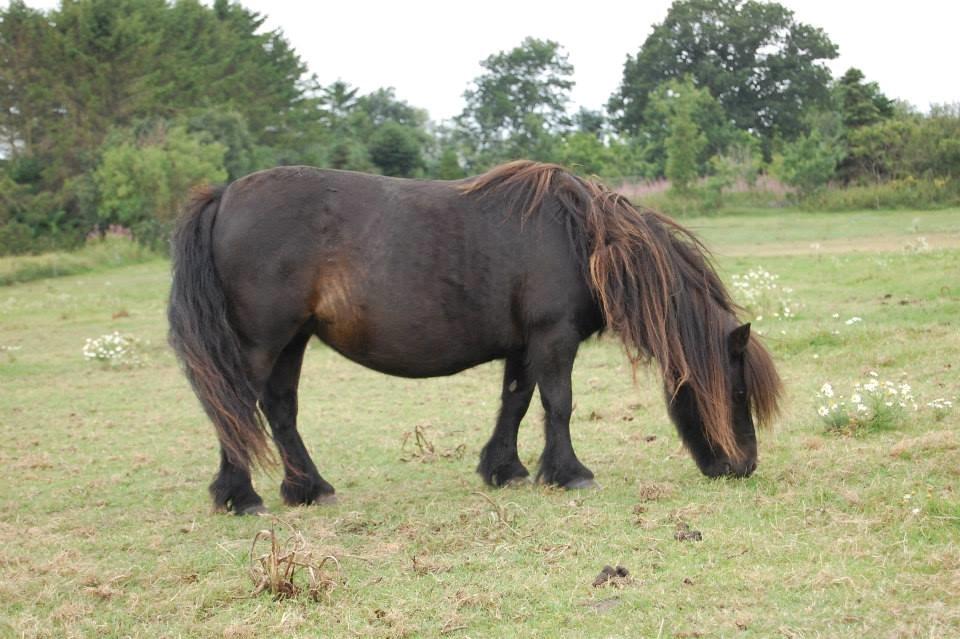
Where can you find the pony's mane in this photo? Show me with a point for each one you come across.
(655, 285)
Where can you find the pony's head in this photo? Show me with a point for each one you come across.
(726, 445)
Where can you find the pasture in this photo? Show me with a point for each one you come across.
(106, 530)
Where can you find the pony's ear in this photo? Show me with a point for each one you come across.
(738, 339)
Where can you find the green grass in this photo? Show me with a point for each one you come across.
(105, 253)
(813, 233)
(106, 531)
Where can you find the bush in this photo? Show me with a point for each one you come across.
(395, 149)
(908, 193)
(15, 239)
(808, 163)
(142, 183)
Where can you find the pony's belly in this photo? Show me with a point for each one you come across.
(411, 360)
(411, 340)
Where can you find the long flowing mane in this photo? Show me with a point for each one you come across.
(654, 283)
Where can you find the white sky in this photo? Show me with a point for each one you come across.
(430, 50)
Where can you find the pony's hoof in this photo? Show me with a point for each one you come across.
(256, 510)
(517, 482)
(582, 484)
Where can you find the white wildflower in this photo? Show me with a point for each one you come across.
(113, 349)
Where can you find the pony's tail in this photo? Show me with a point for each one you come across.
(204, 339)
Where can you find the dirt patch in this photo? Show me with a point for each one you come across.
(937, 440)
(603, 605)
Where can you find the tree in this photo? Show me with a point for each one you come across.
(765, 68)
(701, 108)
(143, 181)
(590, 121)
(448, 165)
(395, 149)
(229, 129)
(337, 102)
(29, 80)
(382, 106)
(878, 151)
(71, 77)
(861, 107)
(684, 146)
(809, 162)
(861, 103)
(517, 106)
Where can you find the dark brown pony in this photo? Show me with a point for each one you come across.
(427, 278)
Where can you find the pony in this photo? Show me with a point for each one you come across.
(422, 278)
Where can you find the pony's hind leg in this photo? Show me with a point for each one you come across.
(551, 357)
(499, 462)
(302, 484)
(232, 490)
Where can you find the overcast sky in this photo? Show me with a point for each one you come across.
(430, 50)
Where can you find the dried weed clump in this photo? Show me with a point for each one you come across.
(276, 570)
(424, 450)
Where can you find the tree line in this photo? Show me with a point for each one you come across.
(111, 109)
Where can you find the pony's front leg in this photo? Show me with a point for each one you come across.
(499, 462)
(302, 483)
(552, 358)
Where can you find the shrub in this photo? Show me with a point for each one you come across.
(15, 239)
(142, 183)
(906, 193)
(808, 163)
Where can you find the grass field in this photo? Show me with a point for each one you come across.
(106, 529)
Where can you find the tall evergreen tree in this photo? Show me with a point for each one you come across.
(861, 103)
(71, 76)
